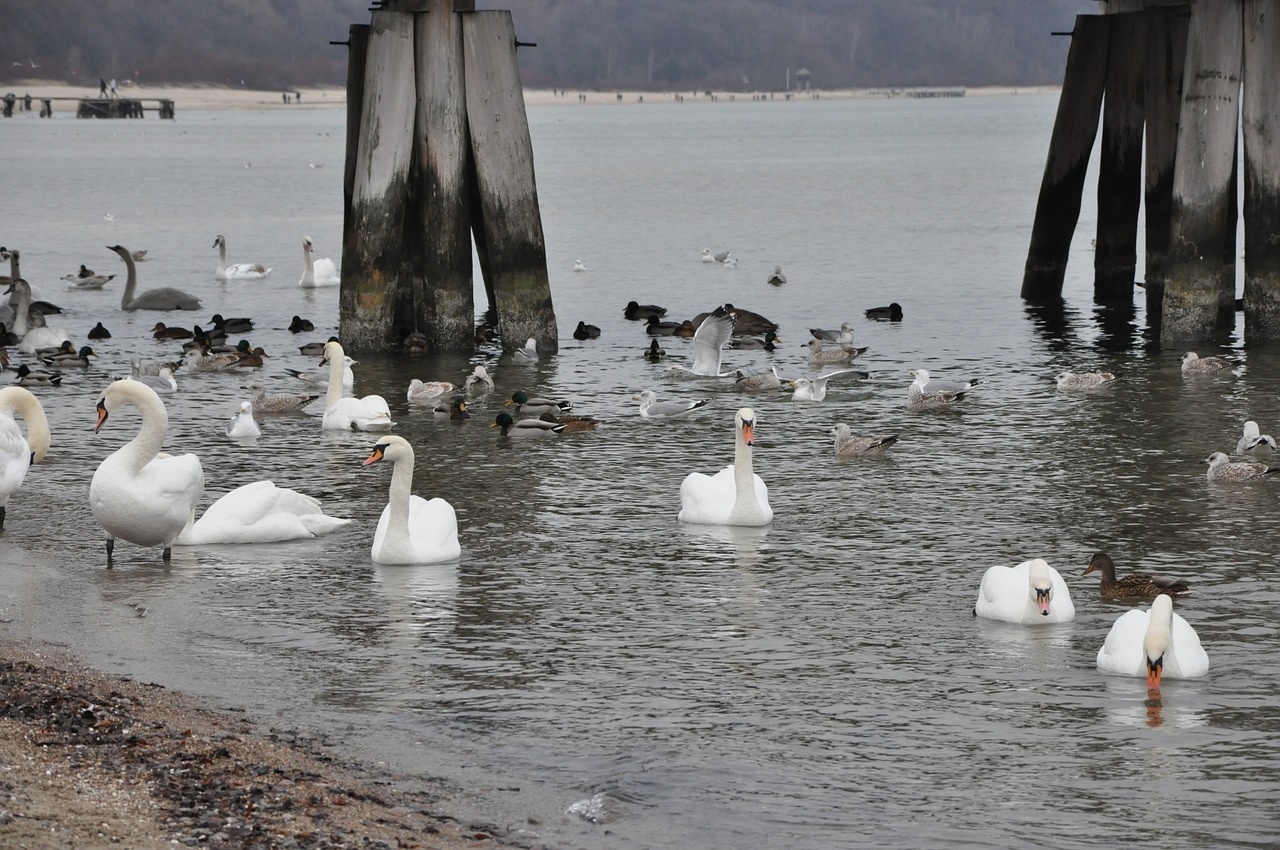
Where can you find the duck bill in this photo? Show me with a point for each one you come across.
(375, 456)
(1042, 601)
(102, 417)
(1088, 570)
(1154, 669)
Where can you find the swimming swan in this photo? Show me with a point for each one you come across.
(1153, 642)
(17, 452)
(733, 496)
(138, 494)
(322, 272)
(164, 298)
(31, 339)
(1031, 593)
(260, 512)
(411, 530)
(235, 271)
(350, 414)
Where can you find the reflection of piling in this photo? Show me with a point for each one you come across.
(1261, 115)
(440, 152)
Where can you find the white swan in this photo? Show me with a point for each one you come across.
(17, 452)
(350, 414)
(260, 512)
(1153, 642)
(411, 530)
(235, 271)
(1032, 592)
(31, 339)
(243, 424)
(138, 494)
(164, 298)
(322, 272)
(733, 496)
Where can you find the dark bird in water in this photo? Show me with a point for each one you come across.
(1136, 586)
(892, 313)
(163, 331)
(571, 422)
(585, 331)
(654, 352)
(643, 311)
(300, 325)
(231, 326)
(654, 327)
(99, 332)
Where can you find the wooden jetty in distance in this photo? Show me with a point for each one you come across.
(439, 154)
(90, 107)
(1177, 75)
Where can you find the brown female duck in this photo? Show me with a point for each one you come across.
(1136, 586)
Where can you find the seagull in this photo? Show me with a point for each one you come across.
(1194, 364)
(815, 389)
(924, 392)
(1254, 439)
(478, 380)
(243, 424)
(1222, 469)
(651, 408)
(843, 337)
(831, 355)
(721, 256)
(708, 345)
(578, 266)
(777, 278)
(1078, 381)
(847, 445)
(706, 256)
(109, 217)
(760, 381)
(528, 354)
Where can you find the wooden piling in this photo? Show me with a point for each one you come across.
(1260, 112)
(1199, 296)
(372, 257)
(441, 282)
(357, 46)
(1120, 163)
(1166, 55)
(503, 156)
(1074, 130)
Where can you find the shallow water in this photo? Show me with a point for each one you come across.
(819, 682)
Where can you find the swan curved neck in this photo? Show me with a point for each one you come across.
(21, 402)
(743, 475)
(143, 448)
(397, 533)
(20, 311)
(132, 283)
(306, 257)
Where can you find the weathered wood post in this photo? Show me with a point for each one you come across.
(1074, 130)
(1199, 295)
(440, 151)
(357, 46)
(1115, 255)
(371, 259)
(1261, 116)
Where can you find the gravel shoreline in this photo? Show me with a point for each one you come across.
(92, 761)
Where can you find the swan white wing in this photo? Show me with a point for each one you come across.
(15, 458)
(150, 507)
(1002, 595)
(45, 337)
(708, 344)
(260, 512)
(708, 499)
(247, 271)
(1185, 658)
(1122, 652)
(363, 414)
(433, 534)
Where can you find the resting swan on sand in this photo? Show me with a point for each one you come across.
(260, 512)
(350, 414)
(323, 272)
(17, 452)
(137, 493)
(733, 496)
(411, 530)
(164, 298)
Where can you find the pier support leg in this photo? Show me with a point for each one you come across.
(1199, 296)
(1074, 131)
(1260, 112)
(371, 259)
(503, 156)
(1115, 255)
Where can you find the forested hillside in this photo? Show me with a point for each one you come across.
(596, 44)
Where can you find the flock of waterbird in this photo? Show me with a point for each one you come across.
(148, 497)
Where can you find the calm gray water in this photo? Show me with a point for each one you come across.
(819, 683)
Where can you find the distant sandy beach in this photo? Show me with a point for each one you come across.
(226, 97)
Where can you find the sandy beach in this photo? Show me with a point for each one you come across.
(223, 97)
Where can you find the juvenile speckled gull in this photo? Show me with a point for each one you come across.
(1077, 381)
(847, 445)
(1194, 364)
(817, 354)
(1222, 469)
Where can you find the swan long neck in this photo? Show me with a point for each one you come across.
(336, 366)
(21, 309)
(222, 253)
(306, 257)
(143, 448)
(398, 500)
(1155, 643)
(132, 283)
(743, 474)
(14, 271)
(20, 401)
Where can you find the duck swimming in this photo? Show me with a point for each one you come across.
(1136, 586)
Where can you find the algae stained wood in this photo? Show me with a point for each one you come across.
(371, 260)
(357, 45)
(1260, 112)
(503, 156)
(1199, 295)
(441, 281)
(1074, 129)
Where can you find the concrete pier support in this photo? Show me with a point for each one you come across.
(1260, 112)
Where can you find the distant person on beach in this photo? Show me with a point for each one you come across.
(102, 87)
(113, 87)
(297, 97)
(285, 96)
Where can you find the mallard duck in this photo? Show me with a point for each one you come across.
(747, 322)
(572, 423)
(65, 359)
(847, 445)
(231, 326)
(751, 343)
(534, 406)
(27, 378)
(99, 332)
(643, 311)
(64, 347)
(163, 331)
(1136, 586)
(656, 327)
(315, 347)
(585, 331)
(892, 313)
(250, 358)
(455, 409)
(526, 427)
(300, 325)
(654, 352)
